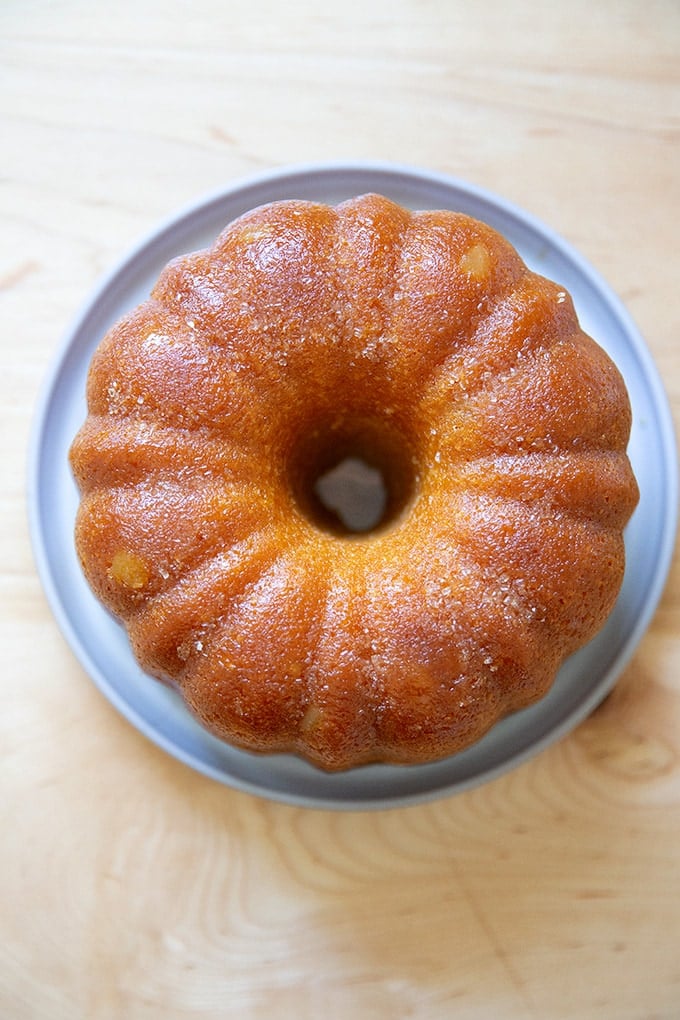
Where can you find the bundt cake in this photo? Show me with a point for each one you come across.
(419, 345)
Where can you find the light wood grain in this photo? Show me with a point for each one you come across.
(132, 887)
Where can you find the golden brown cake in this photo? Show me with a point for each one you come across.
(417, 343)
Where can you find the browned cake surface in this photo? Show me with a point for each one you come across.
(421, 343)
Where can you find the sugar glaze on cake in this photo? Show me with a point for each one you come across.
(419, 344)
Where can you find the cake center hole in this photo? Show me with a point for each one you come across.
(352, 479)
(355, 492)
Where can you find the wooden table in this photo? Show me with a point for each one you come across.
(131, 886)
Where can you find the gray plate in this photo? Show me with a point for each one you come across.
(100, 643)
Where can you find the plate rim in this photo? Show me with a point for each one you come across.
(202, 205)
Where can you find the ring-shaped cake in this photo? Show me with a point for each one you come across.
(419, 344)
